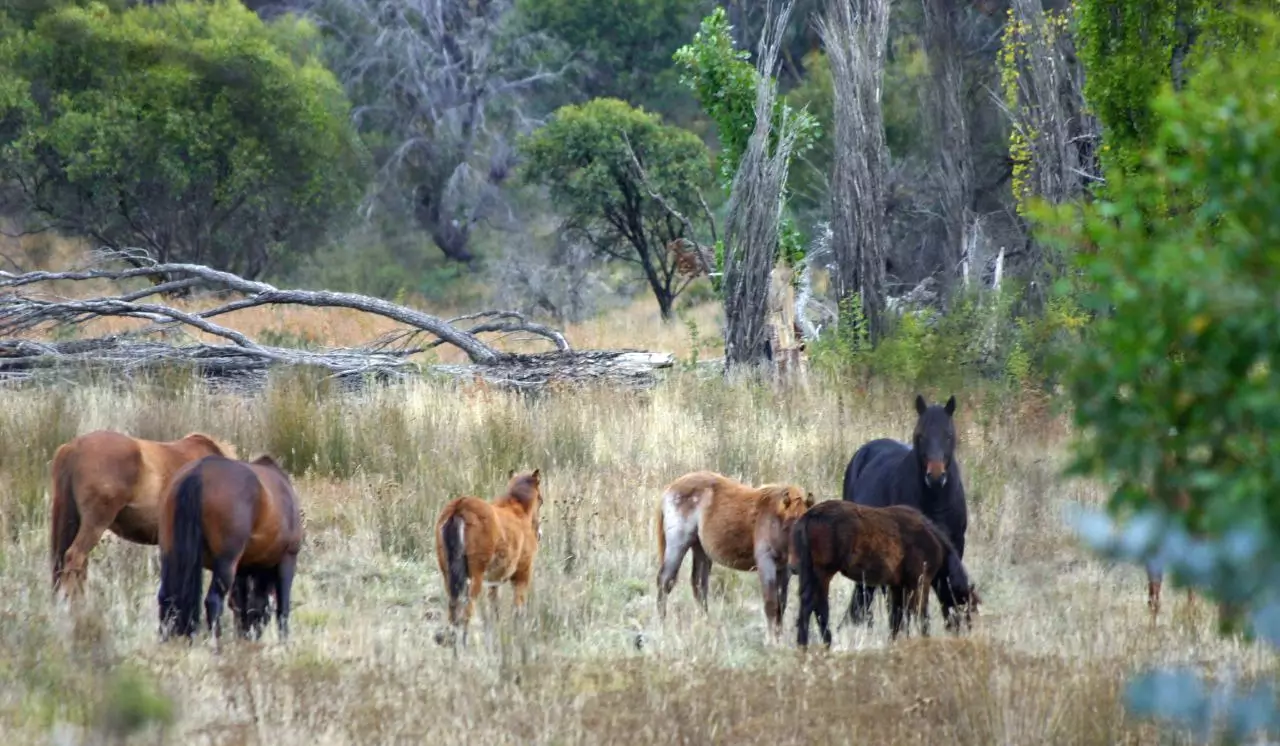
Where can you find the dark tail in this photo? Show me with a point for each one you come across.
(181, 570)
(455, 553)
(64, 522)
(803, 568)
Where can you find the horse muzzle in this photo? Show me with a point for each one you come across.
(935, 474)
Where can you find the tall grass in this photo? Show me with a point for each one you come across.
(590, 663)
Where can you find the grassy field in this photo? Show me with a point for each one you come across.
(1044, 663)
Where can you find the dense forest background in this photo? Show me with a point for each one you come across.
(546, 155)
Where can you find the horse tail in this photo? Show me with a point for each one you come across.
(64, 521)
(661, 526)
(804, 562)
(455, 552)
(181, 569)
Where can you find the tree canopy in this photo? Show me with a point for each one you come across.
(583, 156)
(193, 130)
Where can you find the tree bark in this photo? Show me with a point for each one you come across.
(855, 42)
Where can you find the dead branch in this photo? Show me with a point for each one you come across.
(23, 312)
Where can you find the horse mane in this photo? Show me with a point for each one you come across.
(226, 449)
(939, 533)
(267, 459)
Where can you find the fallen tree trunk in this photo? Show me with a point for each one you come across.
(24, 314)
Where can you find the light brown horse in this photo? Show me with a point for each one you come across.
(480, 541)
(731, 524)
(108, 480)
(240, 520)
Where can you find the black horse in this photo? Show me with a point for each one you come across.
(924, 475)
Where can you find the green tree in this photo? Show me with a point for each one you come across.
(583, 156)
(1132, 48)
(623, 47)
(193, 130)
(724, 82)
(1176, 389)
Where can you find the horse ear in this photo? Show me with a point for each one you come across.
(921, 405)
(537, 475)
(510, 473)
(809, 499)
(951, 405)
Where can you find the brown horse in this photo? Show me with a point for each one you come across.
(480, 541)
(731, 524)
(894, 546)
(108, 480)
(240, 520)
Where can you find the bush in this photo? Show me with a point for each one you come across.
(1175, 396)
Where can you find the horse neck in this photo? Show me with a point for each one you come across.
(517, 504)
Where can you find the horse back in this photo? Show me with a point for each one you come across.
(278, 509)
(872, 472)
(727, 515)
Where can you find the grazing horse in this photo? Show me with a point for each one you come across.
(108, 480)
(480, 541)
(240, 520)
(731, 524)
(924, 475)
(895, 546)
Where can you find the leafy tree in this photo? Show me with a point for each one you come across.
(584, 158)
(725, 84)
(192, 129)
(1132, 48)
(623, 47)
(1175, 391)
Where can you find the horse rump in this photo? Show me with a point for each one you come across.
(453, 536)
(64, 521)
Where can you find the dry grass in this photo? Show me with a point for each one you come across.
(1043, 665)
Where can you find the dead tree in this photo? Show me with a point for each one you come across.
(755, 206)
(26, 317)
(1054, 138)
(943, 21)
(444, 81)
(855, 40)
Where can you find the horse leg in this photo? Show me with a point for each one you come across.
(700, 577)
(860, 611)
(75, 567)
(223, 579)
(921, 602)
(677, 544)
(240, 601)
(1155, 574)
(822, 607)
(768, 573)
(284, 589)
(897, 607)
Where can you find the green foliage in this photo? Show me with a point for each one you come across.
(725, 84)
(582, 157)
(192, 129)
(624, 46)
(1177, 390)
(1129, 49)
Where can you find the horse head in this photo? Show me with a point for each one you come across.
(934, 440)
(526, 487)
